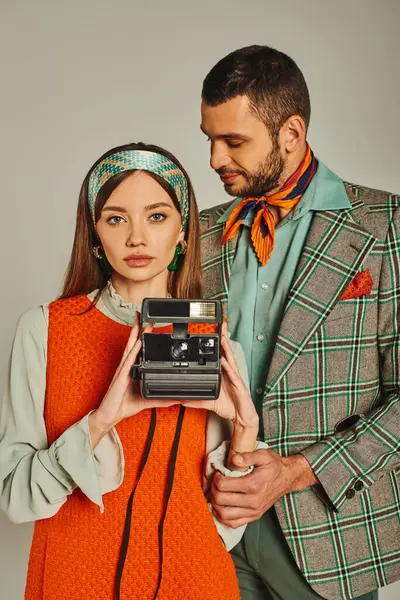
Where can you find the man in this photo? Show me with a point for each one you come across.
(308, 268)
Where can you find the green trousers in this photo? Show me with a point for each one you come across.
(265, 567)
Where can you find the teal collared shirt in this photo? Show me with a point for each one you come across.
(257, 295)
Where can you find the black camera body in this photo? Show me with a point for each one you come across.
(176, 363)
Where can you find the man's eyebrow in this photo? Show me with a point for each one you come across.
(232, 136)
(227, 136)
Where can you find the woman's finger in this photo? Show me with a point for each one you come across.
(233, 376)
(225, 329)
(132, 347)
(148, 328)
(227, 352)
(133, 336)
(130, 359)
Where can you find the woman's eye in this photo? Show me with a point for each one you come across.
(234, 144)
(157, 217)
(115, 220)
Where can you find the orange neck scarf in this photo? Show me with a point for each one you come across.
(263, 228)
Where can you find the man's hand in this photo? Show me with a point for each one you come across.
(237, 501)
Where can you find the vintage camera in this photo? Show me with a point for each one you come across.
(175, 362)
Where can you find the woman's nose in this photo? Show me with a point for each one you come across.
(136, 236)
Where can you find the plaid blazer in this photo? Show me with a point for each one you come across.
(332, 391)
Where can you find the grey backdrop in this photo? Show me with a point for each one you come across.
(81, 76)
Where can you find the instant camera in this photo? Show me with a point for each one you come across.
(177, 362)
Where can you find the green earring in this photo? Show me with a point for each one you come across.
(102, 258)
(177, 260)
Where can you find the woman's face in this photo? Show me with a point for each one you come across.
(139, 228)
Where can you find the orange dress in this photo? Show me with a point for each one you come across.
(75, 553)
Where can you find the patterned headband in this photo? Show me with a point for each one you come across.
(140, 160)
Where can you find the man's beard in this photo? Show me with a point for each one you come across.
(268, 177)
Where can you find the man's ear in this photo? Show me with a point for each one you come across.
(292, 134)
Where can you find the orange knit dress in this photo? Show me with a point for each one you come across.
(75, 553)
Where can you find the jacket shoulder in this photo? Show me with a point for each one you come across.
(209, 216)
(370, 197)
(374, 209)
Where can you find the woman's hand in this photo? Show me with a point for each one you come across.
(123, 398)
(234, 401)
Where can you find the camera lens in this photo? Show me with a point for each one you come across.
(207, 345)
(180, 350)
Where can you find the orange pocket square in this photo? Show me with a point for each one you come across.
(361, 285)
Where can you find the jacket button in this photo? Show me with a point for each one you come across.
(358, 486)
(350, 494)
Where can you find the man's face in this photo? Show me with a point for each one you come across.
(243, 153)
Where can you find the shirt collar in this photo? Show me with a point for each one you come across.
(114, 306)
(325, 192)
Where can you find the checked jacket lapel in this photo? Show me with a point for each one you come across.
(216, 259)
(334, 252)
(335, 249)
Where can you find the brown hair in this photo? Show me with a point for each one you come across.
(84, 273)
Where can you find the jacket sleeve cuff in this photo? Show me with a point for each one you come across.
(340, 478)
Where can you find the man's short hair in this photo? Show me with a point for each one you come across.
(270, 79)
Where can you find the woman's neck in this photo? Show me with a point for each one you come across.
(135, 291)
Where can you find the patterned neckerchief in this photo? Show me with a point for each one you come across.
(263, 227)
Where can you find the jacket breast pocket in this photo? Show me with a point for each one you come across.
(352, 318)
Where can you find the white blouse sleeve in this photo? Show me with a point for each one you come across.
(35, 479)
(217, 449)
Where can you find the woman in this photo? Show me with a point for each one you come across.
(76, 434)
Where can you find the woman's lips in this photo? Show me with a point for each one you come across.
(140, 260)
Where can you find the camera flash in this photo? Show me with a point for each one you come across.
(202, 309)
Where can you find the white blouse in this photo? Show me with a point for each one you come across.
(35, 479)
